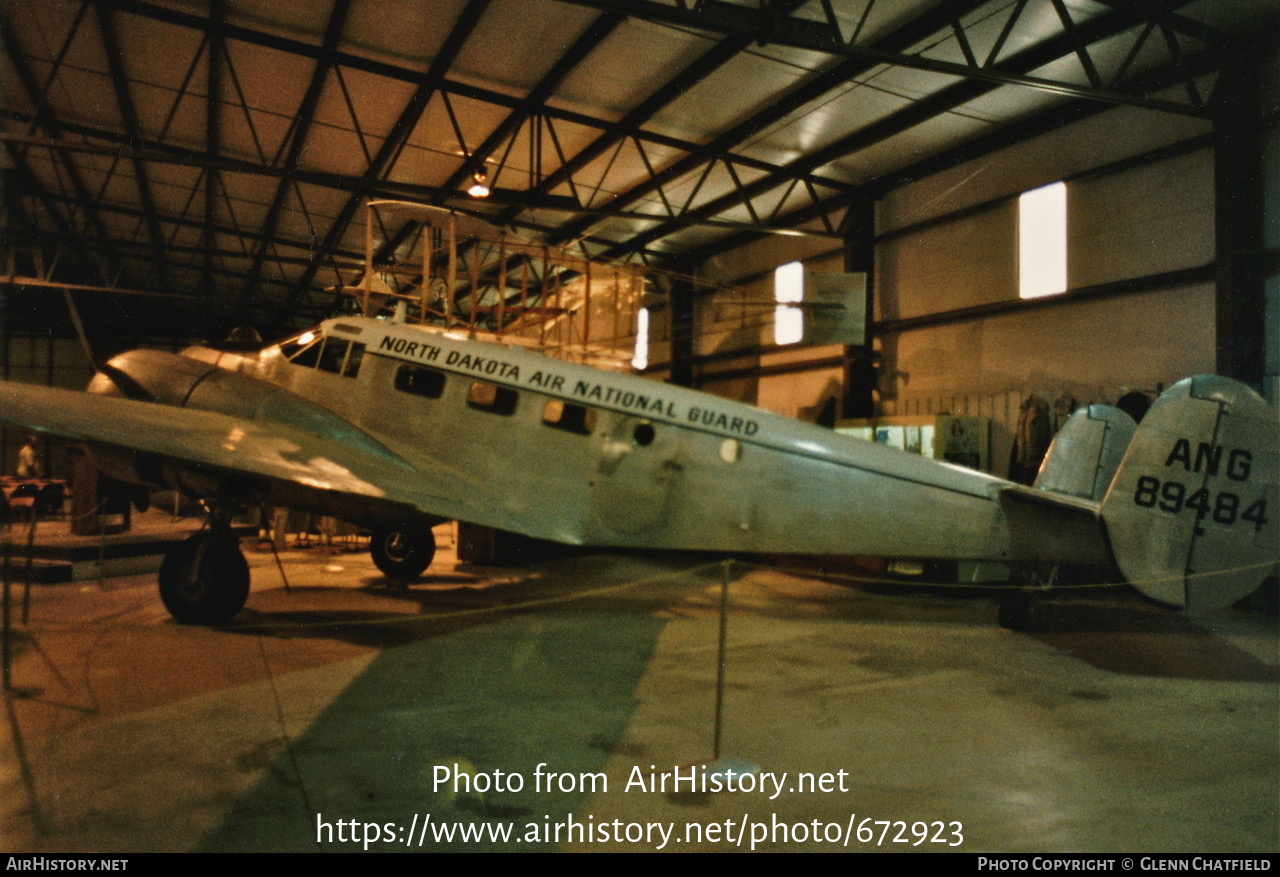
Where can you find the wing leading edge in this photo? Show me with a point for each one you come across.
(289, 459)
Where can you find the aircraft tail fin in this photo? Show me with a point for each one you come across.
(1086, 452)
(1193, 513)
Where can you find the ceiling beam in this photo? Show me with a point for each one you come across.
(43, 118)
(299, 132)
(987, 144)
(806, 92)
(124, 100)
(399, 133)
(533, 102)
(915, 113)
(409, 75)
(213, 136)
(701, 68)
(767, 27)
(160, 153)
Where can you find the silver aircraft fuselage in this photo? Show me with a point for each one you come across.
(517, 440)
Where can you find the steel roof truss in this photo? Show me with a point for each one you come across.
(119, 82)
(427, 85)
(767, 26)
(295, 138)
(917, 112)
(43, 117)
(40, 100)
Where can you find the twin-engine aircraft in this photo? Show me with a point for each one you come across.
(396, 427)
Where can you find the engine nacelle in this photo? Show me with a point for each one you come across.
(192, 379)
(195, 379)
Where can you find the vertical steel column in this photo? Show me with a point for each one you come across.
(859, 359)
(1238, 220)
(682, 345)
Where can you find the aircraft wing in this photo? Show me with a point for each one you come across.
(223, 444)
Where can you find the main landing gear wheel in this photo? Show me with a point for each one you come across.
(205, 579)
(403, 554)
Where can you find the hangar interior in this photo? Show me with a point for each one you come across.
(173, 171)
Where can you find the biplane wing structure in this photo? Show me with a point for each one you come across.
(515, 289)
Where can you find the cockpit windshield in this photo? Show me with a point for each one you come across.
(312, 349)
(307, 342)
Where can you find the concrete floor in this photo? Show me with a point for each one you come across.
(1126, 728)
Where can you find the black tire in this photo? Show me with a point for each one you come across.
(205, 579)
(403, 554)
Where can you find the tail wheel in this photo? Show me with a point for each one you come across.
(403, 554)
(205, 579)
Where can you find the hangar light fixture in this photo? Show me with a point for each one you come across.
(479, 185)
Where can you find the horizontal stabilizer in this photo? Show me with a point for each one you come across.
(1047, 527)
(1086, 452)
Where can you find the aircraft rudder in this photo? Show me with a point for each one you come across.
(1192, 512)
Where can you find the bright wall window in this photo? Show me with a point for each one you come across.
(1042, 241)
(788, 286)
(640, 361)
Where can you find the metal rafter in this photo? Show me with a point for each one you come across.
(947, 99)
(529, 106)
(801, 95)
(1156, 12)
(43, 118)
(629, 126)
(67, 236)
(534, 101)
(766, 26)
(298, 134)
(398, 134)
(305, 246)
(1043, 123)
(759, 188)
(446, 86)
(159, 153)
(124, 99)
(72, 239)
(213, 138)
(30, 185)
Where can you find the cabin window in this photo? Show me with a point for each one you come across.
(420, 381)
(492, 398)
(644, 434)
(730, 450)
(569, 417)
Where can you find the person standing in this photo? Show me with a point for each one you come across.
(28, 462)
